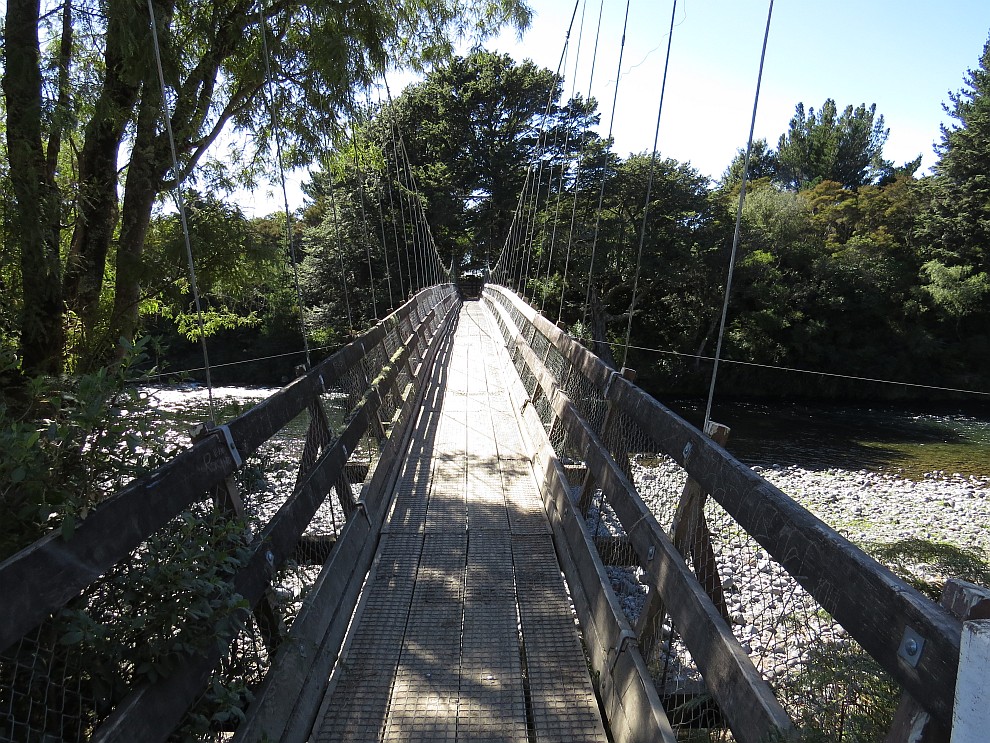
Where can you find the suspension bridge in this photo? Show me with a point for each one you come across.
(490, 535)
(474, 489)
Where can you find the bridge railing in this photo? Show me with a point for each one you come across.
(165, 608)
(746, 588)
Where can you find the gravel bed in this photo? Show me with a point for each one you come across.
(775, 620)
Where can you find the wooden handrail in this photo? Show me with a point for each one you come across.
(743, 695)
(152, 711)
(869, 601)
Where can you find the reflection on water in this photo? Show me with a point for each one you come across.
(910, 443)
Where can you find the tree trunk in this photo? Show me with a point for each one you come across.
(36, 213)
(98, 199)
(145, 175)
(63, 102)
(599, 329)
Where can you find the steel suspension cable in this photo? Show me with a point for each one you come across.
(402, 209)
(649, 185)
(563, 169)
(604, 178)
(737, 230)
(381, 225)
(388, 269)
(567, 139)
(180, 205)
(387, 179)
(419, 243)
(541, 139)
(414, 285)
(340, 254)
(395, 228)
(577, 171)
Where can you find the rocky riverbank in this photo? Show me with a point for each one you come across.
(869, 507)
(775, 620)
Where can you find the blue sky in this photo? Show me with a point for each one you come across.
(904, 56)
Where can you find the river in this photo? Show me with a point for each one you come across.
(913, 443)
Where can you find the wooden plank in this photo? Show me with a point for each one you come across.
(867, 599)
(912, 724)
(303, 713)
(632, 705)
(746, 700)
(588, 364)
(692, 539)
(153, 710)
(274, 701)
(971, 714)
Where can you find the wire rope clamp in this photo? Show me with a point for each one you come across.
(203, 430)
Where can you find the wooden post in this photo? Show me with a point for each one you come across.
(227, 500)
(692, 538)
(319, 436)
(968, 602)
(971, 713)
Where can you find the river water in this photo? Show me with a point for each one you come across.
(912, 443)
(908, 442)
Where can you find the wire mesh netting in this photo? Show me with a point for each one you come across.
(818, 673)
(173, 598)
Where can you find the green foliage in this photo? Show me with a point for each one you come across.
(842, 694)
(67, 445)
(829, 146)
(763, 163)
(953, 289)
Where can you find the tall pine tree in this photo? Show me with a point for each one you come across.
(955, 230)
(958, 227)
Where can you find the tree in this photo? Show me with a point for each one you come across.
(846, 148)
(957, 226)
(36, 214)
(954, 229)
(456, 147)
(471, 128)
(216, 72)
(763, 163)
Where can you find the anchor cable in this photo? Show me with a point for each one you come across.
(180, 204)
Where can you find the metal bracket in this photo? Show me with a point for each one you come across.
(231, 446)
(626, 637)
(912, 645)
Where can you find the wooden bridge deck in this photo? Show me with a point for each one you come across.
(464, 629)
